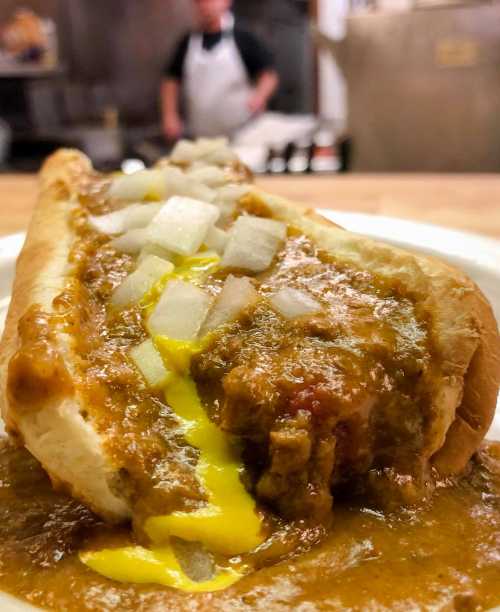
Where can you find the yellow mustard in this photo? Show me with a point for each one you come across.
(228, 524)
(155, 566)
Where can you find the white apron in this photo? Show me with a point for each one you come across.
(216, 87)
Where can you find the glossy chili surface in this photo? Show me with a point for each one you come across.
(444, 555)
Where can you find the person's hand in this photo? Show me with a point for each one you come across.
(257, 103)
(173, 127)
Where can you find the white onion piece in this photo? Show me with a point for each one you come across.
(232, 193)
(227, 214)
(206, 146)
(292, 303)
(131, 217)
(198, 191)
(133, 288)
(236, 295)
(139, 185)
(212, 176)
(154, 249)
(184, 152)
(180, 184)
(149, 362)
(175, 180)
(131, 242)
(182, 225)
(211, 150)
(221, 156)
(227, 199)
(180, 312)
(197, 165)
(112, 223)
(215, 150)
(140, 215)
(253, 243)
(216, 239)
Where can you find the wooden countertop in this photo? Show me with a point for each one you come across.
(467, 202)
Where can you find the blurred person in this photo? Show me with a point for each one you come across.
(223, 74)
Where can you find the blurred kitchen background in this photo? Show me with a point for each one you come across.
(365, 85)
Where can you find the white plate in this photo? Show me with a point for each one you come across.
(478, 256)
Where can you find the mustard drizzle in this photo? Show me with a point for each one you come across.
(228, 524)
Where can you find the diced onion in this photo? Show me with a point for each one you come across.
(216, 239)
(180, 184)
(236, 295)
(182, 225)
(150, 363)
(130, 217)
(232, 193)
(227, 213)
(292, 303)
(133, 288)
(253, 243)
(160, 184)
(221, 156)
(227, 199)
(184, 152)
(215, 150)
(139, 185)
(112, 223)
(131, 242)
(212, 176)
(140, 215)
(180, 312)
(211, 150)
(154, 249)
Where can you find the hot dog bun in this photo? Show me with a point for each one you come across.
(46, 412)
(54, 430)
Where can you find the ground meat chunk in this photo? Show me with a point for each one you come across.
(300, 470)
(322, 398)
(256, 398)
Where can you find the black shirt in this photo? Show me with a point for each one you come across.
(256, 56)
